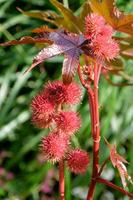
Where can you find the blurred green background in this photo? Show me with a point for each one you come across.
(23, 174)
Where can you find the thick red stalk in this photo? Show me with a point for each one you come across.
(94, 107)
(95, 129)
(61, 181)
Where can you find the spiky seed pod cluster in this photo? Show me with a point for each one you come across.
(100, 37)
(45, 105)
(47, 111)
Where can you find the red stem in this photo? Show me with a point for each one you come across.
(94, 107)
(112, 185)
(61, 180)
(95, 128)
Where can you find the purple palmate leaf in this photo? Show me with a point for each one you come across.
(44, 54)
(64, 43)
(70, 64)
(61, 42)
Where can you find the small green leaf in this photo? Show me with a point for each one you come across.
(74, 23)
(85, 10)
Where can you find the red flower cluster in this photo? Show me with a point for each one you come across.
(100, 35)
(47, 111)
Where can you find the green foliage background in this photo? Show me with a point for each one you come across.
(20, 139)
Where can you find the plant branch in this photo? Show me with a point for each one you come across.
(94, 107)
(112, 185)
(61, 180)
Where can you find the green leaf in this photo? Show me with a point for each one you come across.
(85, 10)
(27, 147)
(116, 65)
(12, 125)
(74, 23)
(20, 82)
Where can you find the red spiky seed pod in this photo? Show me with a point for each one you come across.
(40, 120)
(42, 111)
(68, 122)
(54, 146)
(100, 36)
(74, 93)
(106, 49)
(78, 161)
(93, 25)
(55, 92)
(59, 93)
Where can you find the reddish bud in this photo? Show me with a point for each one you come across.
(41, 111)
(54, 146)
(107, 49)
(74, 93)
(68, 122)
(55, 92)
(93, 25)
(100, 36)
(59, 93)
(78, 161)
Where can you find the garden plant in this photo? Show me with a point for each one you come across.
(94, 44)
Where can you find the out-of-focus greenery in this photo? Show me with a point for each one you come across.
(23, 175)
